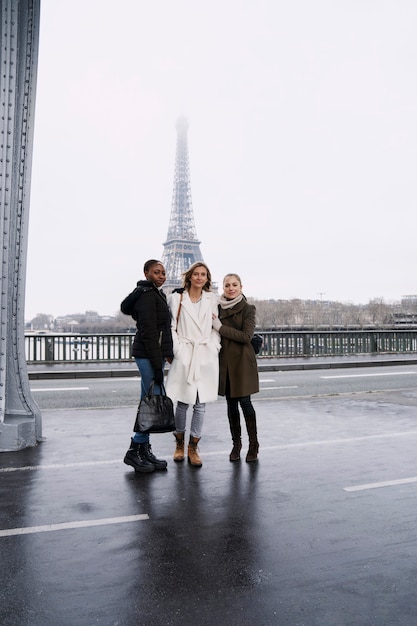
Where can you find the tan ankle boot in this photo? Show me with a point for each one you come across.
(193, 456)
(179, 447)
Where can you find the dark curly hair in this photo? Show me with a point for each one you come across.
(149, 264)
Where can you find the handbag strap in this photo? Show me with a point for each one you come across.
(179, 309)
(151, 386)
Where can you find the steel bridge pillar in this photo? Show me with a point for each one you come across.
(20, 417)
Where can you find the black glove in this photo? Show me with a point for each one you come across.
(159, 376)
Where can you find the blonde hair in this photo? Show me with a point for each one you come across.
(186, 277)
(235, 276)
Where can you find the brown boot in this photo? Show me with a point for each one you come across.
(235, 453)
(235, 431)
(193, 456)
(252, 454)
(179, 447)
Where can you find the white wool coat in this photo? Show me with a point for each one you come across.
(195, 367)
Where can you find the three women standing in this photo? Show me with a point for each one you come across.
(189, 328)
(193, 375)
(238, 377)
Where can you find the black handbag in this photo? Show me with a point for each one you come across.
(256, 342)
(155, 413)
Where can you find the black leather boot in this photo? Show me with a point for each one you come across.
(146, 453)
(235, 431)
(135, 458)
(252, 454)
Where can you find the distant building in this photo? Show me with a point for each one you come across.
(407, 312)
(410, 301)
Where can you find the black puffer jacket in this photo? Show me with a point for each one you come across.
(153, 339)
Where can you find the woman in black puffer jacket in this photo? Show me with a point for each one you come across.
(152, 346)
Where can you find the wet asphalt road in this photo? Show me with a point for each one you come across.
(320, 532)
(114, 392)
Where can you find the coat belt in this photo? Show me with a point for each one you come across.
(194, 369)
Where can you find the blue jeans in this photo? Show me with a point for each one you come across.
(146, 373)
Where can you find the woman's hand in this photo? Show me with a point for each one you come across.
(216, 323)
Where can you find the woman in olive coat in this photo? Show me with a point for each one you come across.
(238, 377)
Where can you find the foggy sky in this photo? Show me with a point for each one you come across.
(302, 141)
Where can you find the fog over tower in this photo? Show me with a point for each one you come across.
(182, 247)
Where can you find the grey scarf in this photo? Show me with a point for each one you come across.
(229, 304)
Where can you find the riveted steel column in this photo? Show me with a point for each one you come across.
(20, 418)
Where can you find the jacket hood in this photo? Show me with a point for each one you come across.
(144, 285)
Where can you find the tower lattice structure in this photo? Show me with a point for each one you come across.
(182, 247)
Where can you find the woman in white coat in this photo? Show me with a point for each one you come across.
(193, 377)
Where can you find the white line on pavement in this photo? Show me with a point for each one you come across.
(369, 375)
(385, 483)
(283, 446)
(58, 466)
(325, 442)
(130, 379)
(61, 389)
(286, 387)
(68, 525)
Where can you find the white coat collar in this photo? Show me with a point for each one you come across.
(195, 310)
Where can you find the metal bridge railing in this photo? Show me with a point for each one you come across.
(72, 348)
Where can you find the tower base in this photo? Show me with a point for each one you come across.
(17, 433)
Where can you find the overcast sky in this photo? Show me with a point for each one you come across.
(302, 141)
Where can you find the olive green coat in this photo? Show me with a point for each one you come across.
(237, 356)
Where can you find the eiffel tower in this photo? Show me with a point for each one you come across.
(182, 247)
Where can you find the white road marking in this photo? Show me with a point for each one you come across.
(282, 387)
(58, 466)
(370, 375)
(61, 389)
(385, 483)
(283, 446)
(28, 530)
(323, 442)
